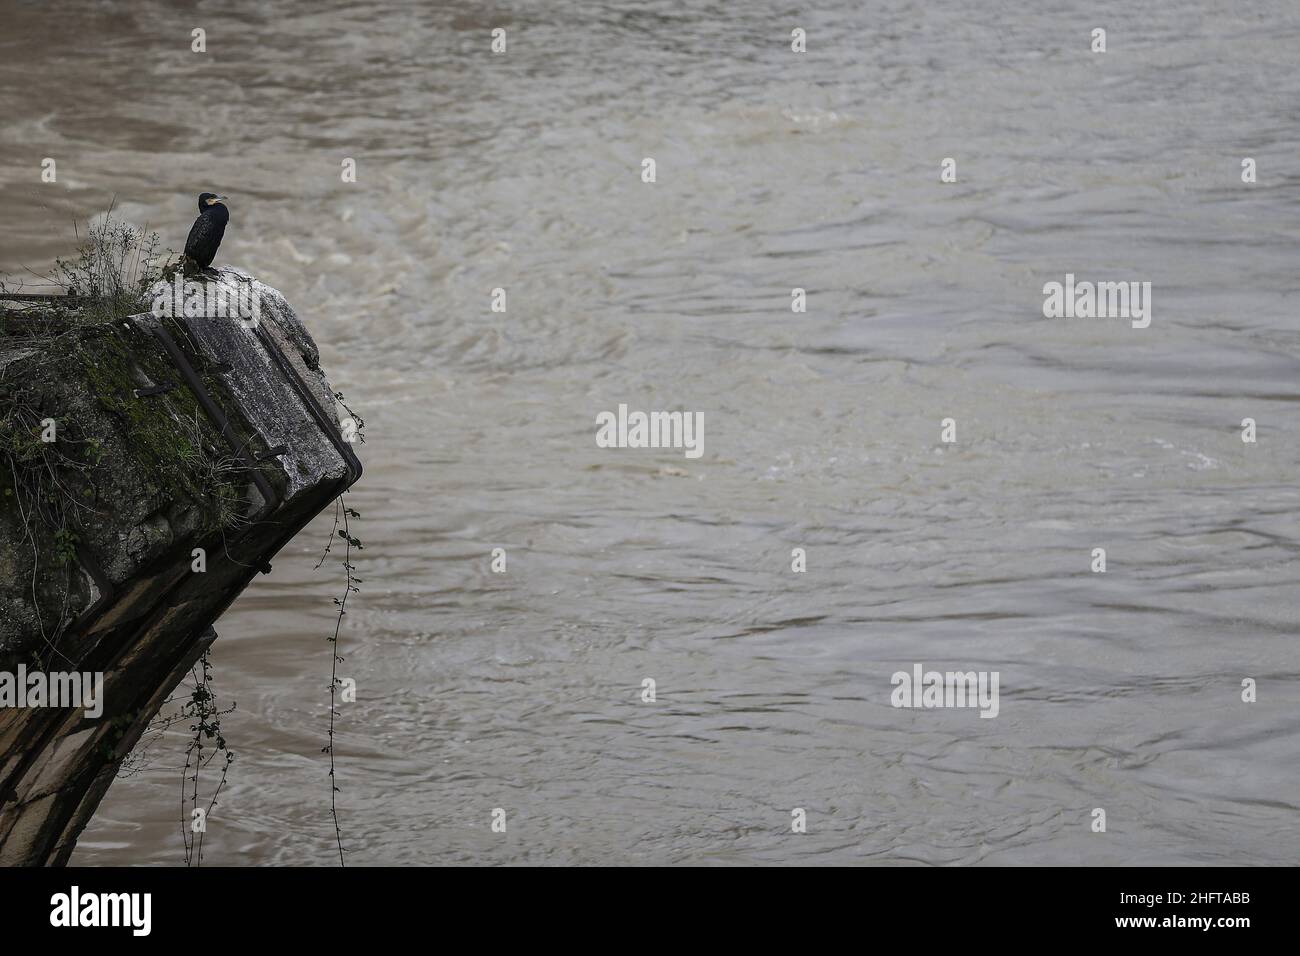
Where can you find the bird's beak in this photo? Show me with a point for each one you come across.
(220, 199)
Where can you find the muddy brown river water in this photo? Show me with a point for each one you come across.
(774, 171)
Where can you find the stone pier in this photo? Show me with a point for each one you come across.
(149, 468)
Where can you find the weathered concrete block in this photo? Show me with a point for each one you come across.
(170, 434)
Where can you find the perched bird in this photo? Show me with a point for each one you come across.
(205, 234)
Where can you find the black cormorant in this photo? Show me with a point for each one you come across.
(205, 234)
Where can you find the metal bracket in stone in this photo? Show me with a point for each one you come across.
(153, 390)
(107, 593)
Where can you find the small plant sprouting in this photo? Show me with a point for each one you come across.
(65, 546)
(110, 276)
(115, 266)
